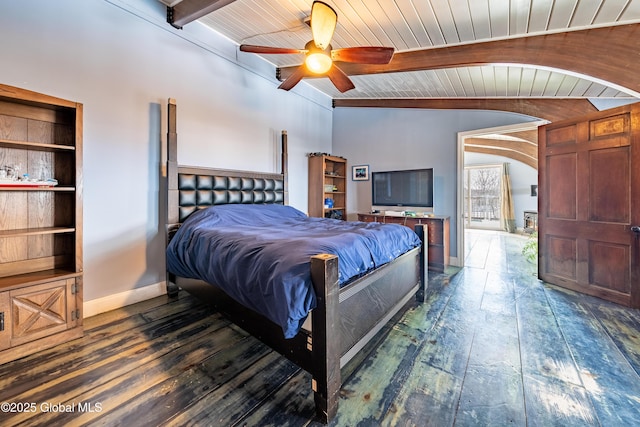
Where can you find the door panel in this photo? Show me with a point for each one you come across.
(562, 186)
(608, 266)
(562, 257)
(589, 199)
(609, 185)
(40, 311)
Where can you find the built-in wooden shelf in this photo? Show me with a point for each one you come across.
(41, 225)
(330, 171)
(36, 231)
(36, 278)
(42, 188)
(34, 145)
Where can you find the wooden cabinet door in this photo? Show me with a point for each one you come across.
(42, 310)
(589, 202)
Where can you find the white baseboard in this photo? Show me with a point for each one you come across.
(453, 260)
(111, 302)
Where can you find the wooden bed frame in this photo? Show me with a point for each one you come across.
(345, 319)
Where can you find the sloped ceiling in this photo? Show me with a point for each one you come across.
(514, 55)
(542, 58)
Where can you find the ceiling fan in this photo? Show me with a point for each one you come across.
(320, 56)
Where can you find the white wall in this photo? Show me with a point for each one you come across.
(390, 139)
(123, 61)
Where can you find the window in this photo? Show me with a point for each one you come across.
(482, 196)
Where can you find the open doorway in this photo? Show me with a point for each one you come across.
(515, 145)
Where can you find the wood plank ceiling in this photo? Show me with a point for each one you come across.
(540, 49)
(542, 58)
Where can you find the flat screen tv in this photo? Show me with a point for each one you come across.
(404, 188)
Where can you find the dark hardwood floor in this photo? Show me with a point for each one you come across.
(492, 347)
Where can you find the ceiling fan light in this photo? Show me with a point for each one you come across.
(318, 63)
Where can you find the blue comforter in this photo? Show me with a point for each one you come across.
(260, 254)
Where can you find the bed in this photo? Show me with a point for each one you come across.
(347, 309)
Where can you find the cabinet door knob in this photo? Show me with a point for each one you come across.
(635, 228)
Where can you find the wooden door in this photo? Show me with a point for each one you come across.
(589, 204)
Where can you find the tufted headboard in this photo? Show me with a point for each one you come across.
(192, 188)
(201, 188)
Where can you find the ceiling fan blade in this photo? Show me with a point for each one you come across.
(340, 80)
(268, 49)
(294, 78)
(323, 24)
(363, 54)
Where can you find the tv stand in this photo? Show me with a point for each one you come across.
(438, 227)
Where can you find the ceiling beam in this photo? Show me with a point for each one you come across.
(189, 10)
(496, 151)
(503, 141)
(608, 55)
(524, 148)
(552, 109)
(526, 135)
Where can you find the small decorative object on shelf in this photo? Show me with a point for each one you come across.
(333, 214)
(328, 203)
(316, 154)
(9, 178)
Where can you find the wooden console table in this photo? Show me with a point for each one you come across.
(437, 226)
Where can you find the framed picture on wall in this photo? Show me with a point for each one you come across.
(360, 173)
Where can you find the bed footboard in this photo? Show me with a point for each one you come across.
(346, 319)
(325, 342)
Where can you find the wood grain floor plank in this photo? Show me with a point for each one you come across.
(612, 383)
(428, 395)
(120, 359)
(491, 396)
(623, 327)
(96, 336)
(452, 336)
(553, 402)
(163, 304)
(429, 398)
(241, 394)
(290, 406)
(82, 356)
(116, 394)
(493, 359)
(155, 402)
(543, 347)
(369, 392)
(494, 364)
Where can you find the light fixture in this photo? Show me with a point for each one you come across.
(318, 61)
